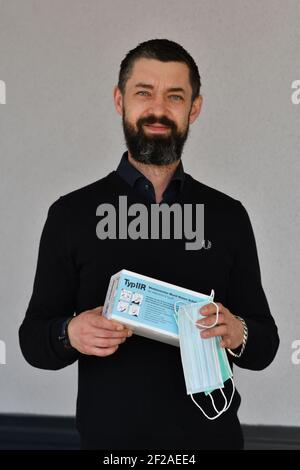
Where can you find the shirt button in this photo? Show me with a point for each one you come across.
(146, 186)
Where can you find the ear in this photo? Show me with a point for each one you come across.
(196, 108)
(118, 100)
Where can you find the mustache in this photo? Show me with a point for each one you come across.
(155, 120)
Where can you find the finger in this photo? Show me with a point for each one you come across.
(226, 342)
(210, 320)
(102, 333)
(91, 340)
(210, 309)
(105, 323)
(107, 342)
(98, 310)
(102, 352)
(216, 331)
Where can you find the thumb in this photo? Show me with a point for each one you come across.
(98, 310)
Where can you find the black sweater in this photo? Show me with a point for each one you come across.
(136, 398)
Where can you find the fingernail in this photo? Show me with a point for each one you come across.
(204, 334)
(120, 327)
(203, 309)
(129, 333)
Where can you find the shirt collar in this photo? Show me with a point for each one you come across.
(130, 174)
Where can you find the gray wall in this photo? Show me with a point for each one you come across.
(59, 131)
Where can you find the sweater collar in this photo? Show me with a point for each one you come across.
(130, 174)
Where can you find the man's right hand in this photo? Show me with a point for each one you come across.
(91, 333)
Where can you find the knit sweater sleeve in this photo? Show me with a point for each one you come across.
(53, 296)
(247, 298)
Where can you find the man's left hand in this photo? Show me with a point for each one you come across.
(228, 327)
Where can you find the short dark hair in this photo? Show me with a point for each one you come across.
(165, 51)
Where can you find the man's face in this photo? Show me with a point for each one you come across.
(156, 110)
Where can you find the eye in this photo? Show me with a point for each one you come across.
(147, 93)
(178, 97)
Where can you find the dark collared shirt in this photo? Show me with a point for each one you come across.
(144, 187)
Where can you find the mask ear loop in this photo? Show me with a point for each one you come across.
(214, 406)
(225, 408)
(176, 312)
(217, 317)
(233, 390)
(191, 319)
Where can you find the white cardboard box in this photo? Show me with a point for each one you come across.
(146, 305)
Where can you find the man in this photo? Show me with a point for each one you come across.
(131, 392)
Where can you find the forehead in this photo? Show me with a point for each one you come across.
(157, 73)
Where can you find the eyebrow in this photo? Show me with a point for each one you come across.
(151, 87)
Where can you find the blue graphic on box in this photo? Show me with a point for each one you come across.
(150, 303)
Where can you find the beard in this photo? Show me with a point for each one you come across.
(156, 149)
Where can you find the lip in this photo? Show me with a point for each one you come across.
(156, 128)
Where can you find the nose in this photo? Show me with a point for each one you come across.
(158, 106)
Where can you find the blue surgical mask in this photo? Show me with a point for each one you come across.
(205, 363)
